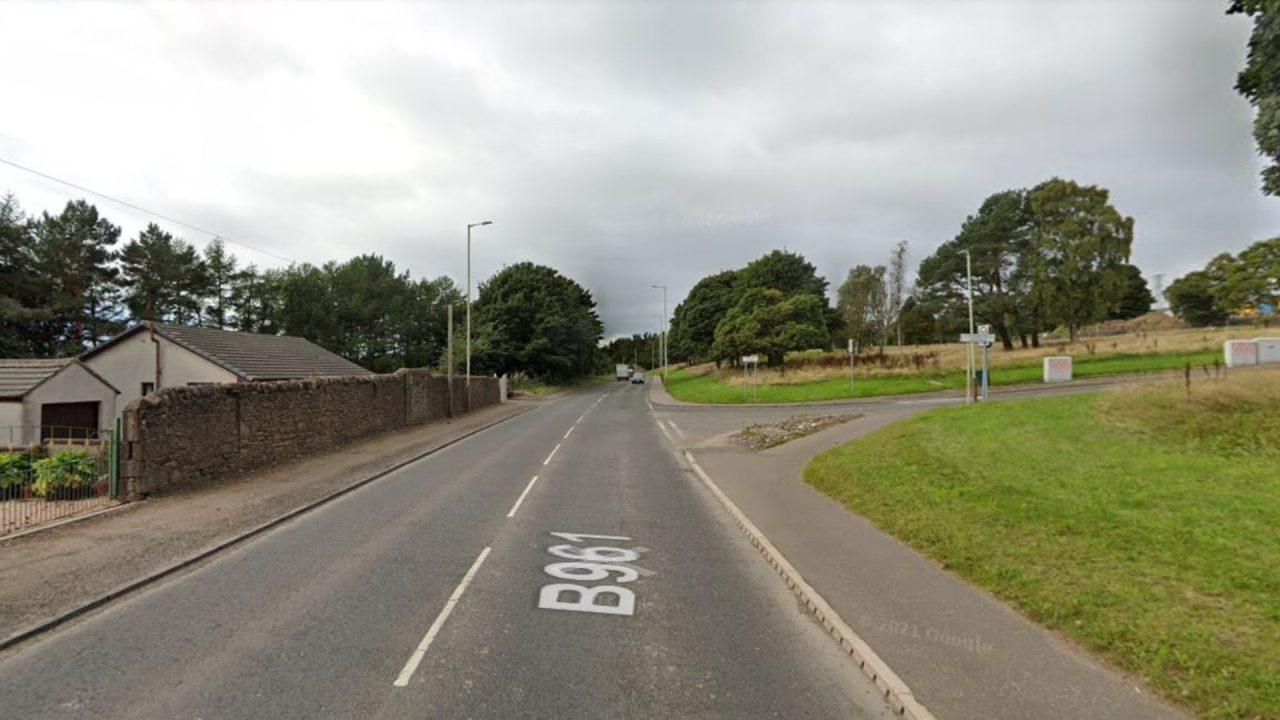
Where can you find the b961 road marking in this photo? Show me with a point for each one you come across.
(589, 564)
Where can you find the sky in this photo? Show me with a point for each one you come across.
(629, 144)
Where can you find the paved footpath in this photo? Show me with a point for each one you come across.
(964, 654)
(562, 564)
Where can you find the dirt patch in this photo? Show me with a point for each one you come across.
(767, 435)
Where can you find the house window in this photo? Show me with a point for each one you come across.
(148, 388)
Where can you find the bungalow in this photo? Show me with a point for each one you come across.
(52, 399)
(153, 356)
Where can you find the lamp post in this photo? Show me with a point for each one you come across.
(664, 330)
(469, 226)
(968, 376)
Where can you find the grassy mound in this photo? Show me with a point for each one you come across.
(1142, 523)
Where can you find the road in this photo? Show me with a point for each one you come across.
(419, 596)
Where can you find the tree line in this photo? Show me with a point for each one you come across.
(1243, 285)
(1052, 256)
(68, 282)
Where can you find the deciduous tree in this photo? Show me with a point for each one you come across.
(533, 319)
(1260, 82)
(1080, 243)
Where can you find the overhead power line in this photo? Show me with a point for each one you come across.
(139, 208)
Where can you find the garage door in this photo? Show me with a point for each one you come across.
(69, 421)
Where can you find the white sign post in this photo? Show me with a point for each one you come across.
(751, 375)
(852, 352)
(982, 338)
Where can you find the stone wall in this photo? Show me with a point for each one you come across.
(189, 435)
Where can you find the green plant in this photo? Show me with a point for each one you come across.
(68, 470)
(15, 469)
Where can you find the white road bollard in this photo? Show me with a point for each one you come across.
(1057, 369)
(1240, 353)
(1268, 350)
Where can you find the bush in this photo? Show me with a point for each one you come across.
(15, 470)
(58, 475)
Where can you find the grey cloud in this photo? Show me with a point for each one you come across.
(634, 143)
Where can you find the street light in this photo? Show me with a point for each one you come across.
(469, 226)
(664, 330)
(968, 376)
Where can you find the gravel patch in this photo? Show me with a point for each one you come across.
(767, 435)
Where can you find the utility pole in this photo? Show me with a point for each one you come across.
(664, 331)
(968, 373)
(469, 226)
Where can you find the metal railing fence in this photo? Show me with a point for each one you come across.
(54, 473)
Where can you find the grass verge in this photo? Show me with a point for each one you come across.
(1143, 524)
(708, 387)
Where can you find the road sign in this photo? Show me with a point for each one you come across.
(750, 359)
(984, 329)
(851, 346)
(978, 337)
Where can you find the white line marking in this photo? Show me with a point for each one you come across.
(575, 422)
(520, 499)
(675, 427)
(412, 665)
(570, 430)
(553, 454)
(663, 428)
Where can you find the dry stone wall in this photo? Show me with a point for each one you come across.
(203, 433)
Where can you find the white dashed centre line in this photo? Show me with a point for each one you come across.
(553, 454)
(416, 658)
(520, 499)
(568, 432)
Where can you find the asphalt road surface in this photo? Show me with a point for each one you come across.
(441, 591)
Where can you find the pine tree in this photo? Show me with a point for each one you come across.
(72, 260)
(221, 265)
(164, 278)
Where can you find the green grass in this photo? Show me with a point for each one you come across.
(1143, 525)
(707, 388)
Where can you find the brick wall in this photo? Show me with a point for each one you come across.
(189, 435)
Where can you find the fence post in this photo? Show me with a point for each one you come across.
(113, 453)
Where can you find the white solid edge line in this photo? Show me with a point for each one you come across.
(871, 664)
(553, 454)
(520, 499)
(412, 665)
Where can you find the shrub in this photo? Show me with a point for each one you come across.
(15, 469)
(68, 470)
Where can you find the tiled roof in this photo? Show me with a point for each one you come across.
(17, 377)
(252, 356)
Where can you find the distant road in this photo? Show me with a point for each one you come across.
(419, 596)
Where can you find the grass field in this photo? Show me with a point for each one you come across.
(1142, 523)
(1146, 344)
(703, 385)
